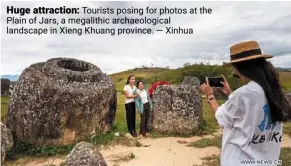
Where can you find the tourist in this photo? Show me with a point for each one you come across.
(130, 104)
(144, 106)
(253, 114)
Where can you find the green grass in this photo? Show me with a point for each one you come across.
(213, 160)
(151, 75)
(210, 123)
(4, 108)
(285, 79)
(21, 149)
(175, 76)
(206, 142)
(287, 128)
(285, 156)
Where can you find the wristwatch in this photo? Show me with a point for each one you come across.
(211, 98)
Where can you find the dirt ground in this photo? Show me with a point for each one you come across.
(169, 151)
(163, 152)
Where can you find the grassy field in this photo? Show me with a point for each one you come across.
(4, 108)
(210, 126)
(150, 75)
(175, 76)
(285, 79)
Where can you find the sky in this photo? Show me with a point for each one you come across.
(230, 22)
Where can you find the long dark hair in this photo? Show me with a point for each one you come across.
(128, 78)
(264, 73)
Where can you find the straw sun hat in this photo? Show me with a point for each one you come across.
(245, 51)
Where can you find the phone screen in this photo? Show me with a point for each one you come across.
(215, 81)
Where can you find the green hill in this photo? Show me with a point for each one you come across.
(175, 76)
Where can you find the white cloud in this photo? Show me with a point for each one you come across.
(214, 34)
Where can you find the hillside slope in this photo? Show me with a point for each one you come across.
(175, 76)
(140, 73)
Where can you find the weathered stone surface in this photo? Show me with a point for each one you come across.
(288, 97)
(85, 154)
(192, 81)
(59, 101)
(6, 141)
(5, 85)
(219, 95)
(177, 109)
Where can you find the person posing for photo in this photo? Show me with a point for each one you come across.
(129, 88)
(253, 114)
(144, 106)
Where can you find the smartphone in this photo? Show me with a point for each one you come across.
(215, 81)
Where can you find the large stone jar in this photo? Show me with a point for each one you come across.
(60, 101)
(177, 109)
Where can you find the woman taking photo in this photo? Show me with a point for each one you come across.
(144, 106)
(129, 88)
(253, 114)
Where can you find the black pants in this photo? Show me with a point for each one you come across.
(130, 117)
(150, 121)
(144, 119)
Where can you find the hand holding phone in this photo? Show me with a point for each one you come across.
(206, 89)
(225, 87)
(215, 81)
